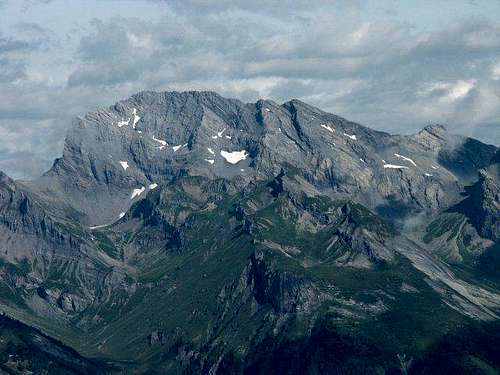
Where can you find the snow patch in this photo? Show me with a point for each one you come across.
(227, 136)
(353, 137)
(123, 123)
(137, 192)
(211, 161)
(405, 158)
(362, 160)
(122, 214)
(160, 141)
(136, 118)
(153, 186)
(100, 226)
(124, 165)
(434, 167)
(175, 148)
(329, 128)
(268, 110)
(427, 175)
(219, 134)
(392, 166)
(211, 151)
(235, 156)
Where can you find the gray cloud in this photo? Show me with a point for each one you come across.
(13, 55)
(382, 73)
(27, 4)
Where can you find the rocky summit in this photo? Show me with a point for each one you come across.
(187, 233)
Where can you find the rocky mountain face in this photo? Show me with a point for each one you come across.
(187, 232)
(155, 138)
(482, 206)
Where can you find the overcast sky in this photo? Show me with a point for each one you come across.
(391, 65)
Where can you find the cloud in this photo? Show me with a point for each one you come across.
(27, 4)
(448, 91)
(495, 72)
(13, 55)
(23, 151)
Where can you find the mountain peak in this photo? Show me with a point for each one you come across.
(187, 99)
(437, 130)
(296, 103)
(432, 136)
(174, 93)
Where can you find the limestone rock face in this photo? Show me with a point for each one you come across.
(154, 138)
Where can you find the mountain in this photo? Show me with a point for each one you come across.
(190, 233)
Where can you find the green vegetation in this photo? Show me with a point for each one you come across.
(213, 274)
(24, 350)
(106, 244)
(446, 223)
(367, 219)
(22, 268)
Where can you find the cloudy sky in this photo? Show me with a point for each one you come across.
(392, 65)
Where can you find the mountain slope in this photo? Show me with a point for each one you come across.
(186, 232)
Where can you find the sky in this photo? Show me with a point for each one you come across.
(392, 65)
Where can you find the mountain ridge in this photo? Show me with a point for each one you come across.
(263, 140)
